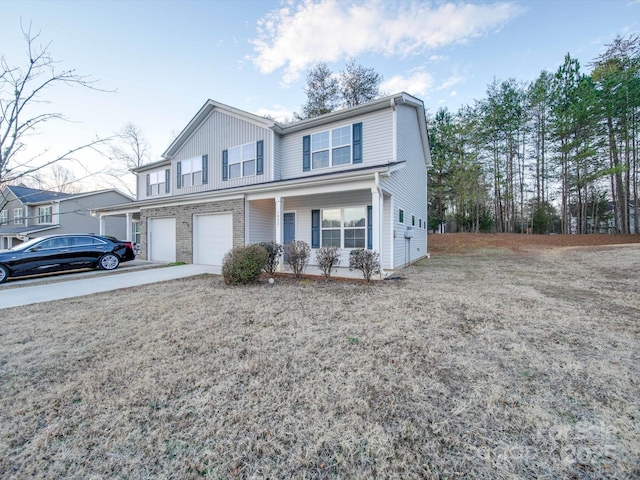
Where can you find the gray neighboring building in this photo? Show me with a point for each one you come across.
(29, 212)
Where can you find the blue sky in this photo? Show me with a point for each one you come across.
(163, 60)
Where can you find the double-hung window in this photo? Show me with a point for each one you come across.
(44, 214)
(157, 183)
(331, 148)
(191, 172)
(18, 215)
(4, 217)
(242, 160)
(344, 227)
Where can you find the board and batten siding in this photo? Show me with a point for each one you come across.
(221, 131)
(277, 155)
(261, 221)
(377, 144)
(409, 186)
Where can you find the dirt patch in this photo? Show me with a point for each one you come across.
(472, 243)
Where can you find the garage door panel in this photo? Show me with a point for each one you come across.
(212, 238)
(161, 237)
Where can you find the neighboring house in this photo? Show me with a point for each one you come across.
(28, 212)
(354, 178)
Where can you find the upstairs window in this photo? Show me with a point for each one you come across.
(4, 217)
(331, 148)
(158, 183)
(18, 215)
(242, 161)
(191, 172)
(44, 214)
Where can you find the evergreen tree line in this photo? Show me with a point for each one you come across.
(558, 154)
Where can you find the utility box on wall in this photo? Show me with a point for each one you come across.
(408, 233)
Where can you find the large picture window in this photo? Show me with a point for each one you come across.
(331, 148)
(344, 227)
(242, 161)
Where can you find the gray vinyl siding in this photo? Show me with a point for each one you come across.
(302, 207)
(409, 187)
(221, 131)
(377, 144)
(11, 205)
(277, 152)
(261, 221)
(75, 215)
(142, 183)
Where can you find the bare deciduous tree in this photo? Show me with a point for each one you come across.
(129, 150)
(23, 109)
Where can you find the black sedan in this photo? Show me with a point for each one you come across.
(55, 253)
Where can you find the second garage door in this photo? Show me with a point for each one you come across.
(212, 238)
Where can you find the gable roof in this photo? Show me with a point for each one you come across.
(34, 195)
(390, 101)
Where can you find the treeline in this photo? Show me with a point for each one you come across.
(558, 154)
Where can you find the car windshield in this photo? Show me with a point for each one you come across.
(27, 244)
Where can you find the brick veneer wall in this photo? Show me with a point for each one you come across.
(184, 224)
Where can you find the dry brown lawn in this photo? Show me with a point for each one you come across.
(495, 365)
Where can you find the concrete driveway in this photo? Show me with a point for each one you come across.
(86, 283)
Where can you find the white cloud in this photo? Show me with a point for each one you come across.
(438, 58)
(450, 82)
(453, 93)
(418, 83)
(303, 33)
(278, 112)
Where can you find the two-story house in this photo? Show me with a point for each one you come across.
(354, 178)
(29, 212)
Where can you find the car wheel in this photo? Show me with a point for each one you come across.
(109, 262)
(4, 274)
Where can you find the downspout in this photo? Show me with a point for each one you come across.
(381, 215)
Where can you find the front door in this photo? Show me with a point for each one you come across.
(289, 227)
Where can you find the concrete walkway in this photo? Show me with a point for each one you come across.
(74, 287)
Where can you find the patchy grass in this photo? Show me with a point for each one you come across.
(496, 366)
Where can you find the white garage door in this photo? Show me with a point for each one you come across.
(161, 238)
(212, 238)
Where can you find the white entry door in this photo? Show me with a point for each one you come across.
(161, 239)
(212, 237)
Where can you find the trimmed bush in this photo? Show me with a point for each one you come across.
(296, 255)
(274, 250)
(328, 258)
(243, 265)
(367, 261)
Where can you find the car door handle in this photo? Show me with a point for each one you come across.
(64, 251)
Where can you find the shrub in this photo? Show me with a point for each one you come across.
(296, 255)
(243, 265)
(328, 258)
(367, 261)
(274, 250)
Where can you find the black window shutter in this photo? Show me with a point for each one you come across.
(315, 228)
(167, 181)
(179, 173)
(148, 184)
(370, 227)
(225, 165)
(306, 153)
(205, 169)
(357, 143)
(260, 157)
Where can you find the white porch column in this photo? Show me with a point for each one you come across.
(377, 219)
(103, 225)
(279, 225)
(130, 227)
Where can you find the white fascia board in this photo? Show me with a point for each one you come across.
(193, 201)
(316, 188)
(152, 165)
